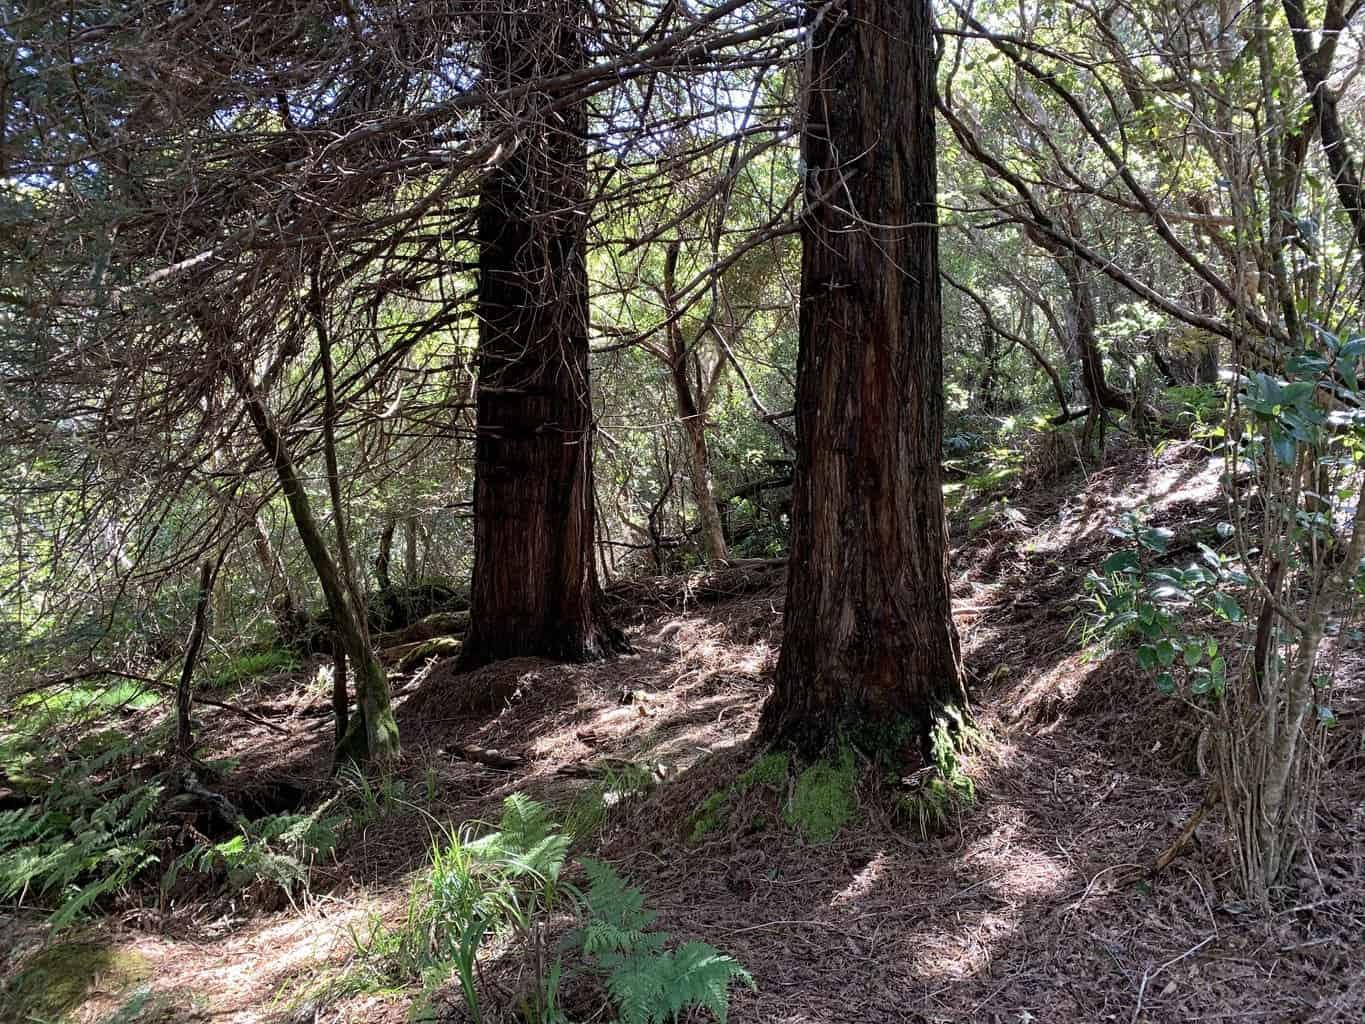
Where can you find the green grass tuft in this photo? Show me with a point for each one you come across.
(243, 668)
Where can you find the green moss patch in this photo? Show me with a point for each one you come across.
(712, 815)
(944, 788)
(768, 770)
(822, 802)
(824, 799)
(714, 812)
(56, 981)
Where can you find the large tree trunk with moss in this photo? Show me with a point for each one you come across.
(869, 644)
(535, 589)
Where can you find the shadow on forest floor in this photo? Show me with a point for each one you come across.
(1017, 914)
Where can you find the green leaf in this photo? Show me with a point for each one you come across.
(1166, 683)
(1165, 653)
(1297, 392)
(1218, 673)
(1147, 657)
(1283, 445)
(1155, 539)
(1210, 556)
(1120, 561)
(1227, 607)
(1194, 653)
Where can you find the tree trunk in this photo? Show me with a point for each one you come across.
(1315, 65)
(410, 565)
(289, 618)
(986, 396)
(690, 403)
(1081, 320)
(869, 639)
(1206, 368)
(373, 731)
(535, 589)
(383, 560)
(184, 694)
(341, 704)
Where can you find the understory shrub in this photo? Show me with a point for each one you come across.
(275, 851)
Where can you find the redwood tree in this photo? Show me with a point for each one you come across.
(868, 635)
(535, 589)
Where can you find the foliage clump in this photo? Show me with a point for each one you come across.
(274, 852)
(89, 836)
(617, 784)
(250, 665)
(510, 883)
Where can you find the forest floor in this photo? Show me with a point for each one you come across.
(1032, 907)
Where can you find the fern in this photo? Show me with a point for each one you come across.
(88, 838)
(276, 850)
(509, 881)
(648, 983)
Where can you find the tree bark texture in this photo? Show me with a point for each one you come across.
(535, 588)
(868, 631)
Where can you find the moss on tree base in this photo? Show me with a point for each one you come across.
(920, 774)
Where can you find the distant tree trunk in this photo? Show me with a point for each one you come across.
(283, 608)
(986, 393)
(1315, 56)
(410, 565)
(341, 704)
(690, 401)
(184, 694)
(385, 556)
(1206, 369)
(868, 635)
(535, 589)
(1082, 320)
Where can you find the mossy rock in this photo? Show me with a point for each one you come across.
(54, 982)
